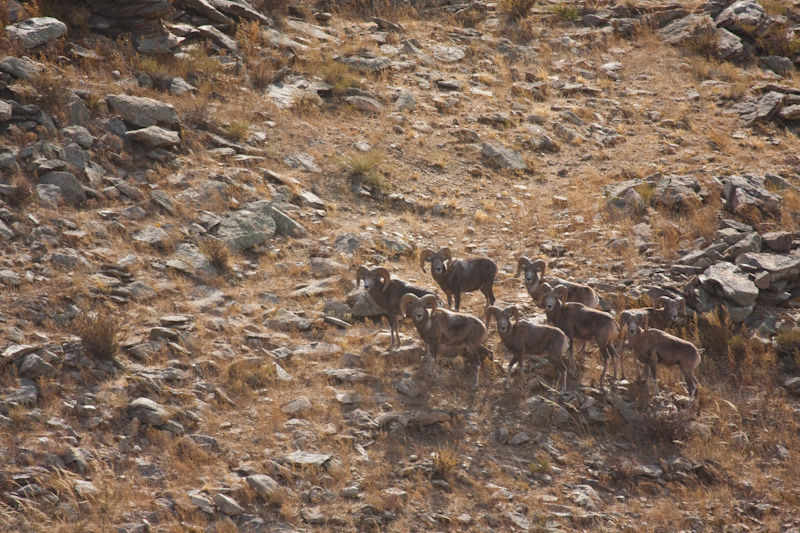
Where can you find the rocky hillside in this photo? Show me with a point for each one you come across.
(187, 188)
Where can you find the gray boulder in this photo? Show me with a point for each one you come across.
(265, 486)
(764, 109)
(148, 412)
(143, 112)
(777, 64)
(742, 16)
(6, 111)
(504, 157)
(79, 135)
(152, 236)
(71, 189)
(21, 67)
(780, 267)
(36, 31)
(284, 224)
(154, 137)
(365, 104)
(727, 281)
(48, 195)
(405, 101)
(744, 192)
(245, 229)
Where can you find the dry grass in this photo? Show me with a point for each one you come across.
(217, 252)
(99, 332)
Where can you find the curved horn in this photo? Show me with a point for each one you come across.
(360, 273)
(522, 262)
(662, 301)
(540, 266)
(560, 289)
(384, 273)
(430, 299)
(646, 319)
(425, 256)
(491, 312)
(408, 298)
(513, 311)
(445, 251)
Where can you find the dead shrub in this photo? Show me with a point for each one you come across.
(662, 425)
(50, 93)
(99, 333)
(516, 9)
(444, 463)
(21, 191)
(217, 252)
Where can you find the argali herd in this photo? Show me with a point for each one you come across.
(571, 309)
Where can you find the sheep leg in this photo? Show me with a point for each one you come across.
(458, 301)
(393, 330)
(571, 356)
(432, 361)
(514, 361)
(477, 362)
(606, 357)
(688, 374)
(615, 357)
(490, 299)
(450, 300)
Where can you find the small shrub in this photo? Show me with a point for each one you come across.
(364, 165)
(663, 425)
(237, 129)
(261, 73)
(99, 333)
(444, 463)
(705, 44)
(197, 115)
(21, 193)
(516, 9)
(217, 252)
(646, 191)
(338, 75)
(566, 13)
(51, 93)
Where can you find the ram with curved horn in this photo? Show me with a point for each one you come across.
(455, 276)
(534, 278)
(387, 293)
(654, 347)
(437, 327)
(662, 316)
(524, 338)
(580, 322)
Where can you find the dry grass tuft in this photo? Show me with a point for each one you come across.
(445, 463)
(99, 333)
(21, 192)
(515, 9)
(217, 252)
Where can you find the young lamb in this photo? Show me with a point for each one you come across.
(534, 282)
(523, 337)
(460, 275)
(440, 326)
(653, 347)
(581, 322)
(387, 293)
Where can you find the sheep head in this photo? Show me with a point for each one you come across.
(552, 298)
(419, 306)
(374, 277)
(673, 307)
(637, 324)
(533, 269)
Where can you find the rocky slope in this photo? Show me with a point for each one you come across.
(187, 188)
